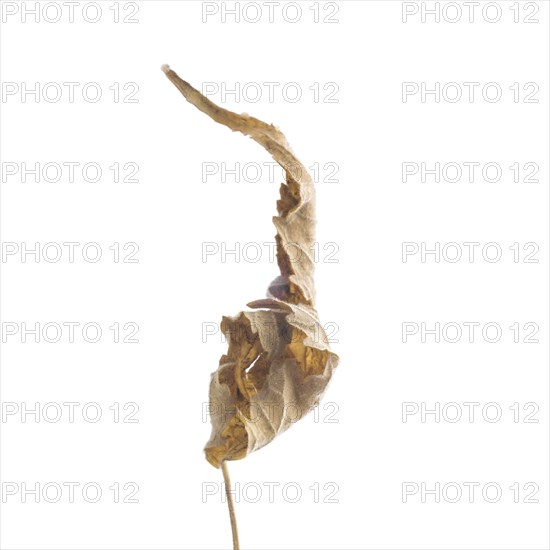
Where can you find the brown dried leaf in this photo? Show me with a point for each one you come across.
(278, 363)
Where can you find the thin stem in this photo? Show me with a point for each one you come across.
(232, 517)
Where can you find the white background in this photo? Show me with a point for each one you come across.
(358, 442)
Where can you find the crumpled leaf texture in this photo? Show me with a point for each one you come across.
(278, 363)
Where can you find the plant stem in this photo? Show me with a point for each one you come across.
(232, 517)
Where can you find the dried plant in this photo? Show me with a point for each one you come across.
(278, 353)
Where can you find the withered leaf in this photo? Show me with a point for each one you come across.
(278, 363)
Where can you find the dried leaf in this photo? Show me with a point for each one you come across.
(278, 363)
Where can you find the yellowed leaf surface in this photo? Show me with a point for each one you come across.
(278, 362)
